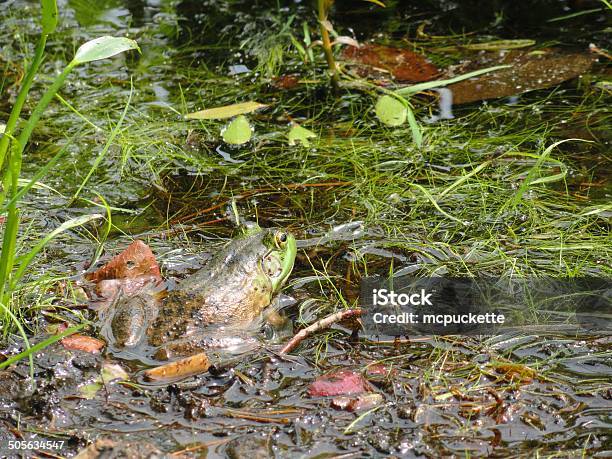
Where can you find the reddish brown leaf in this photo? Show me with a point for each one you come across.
(135, 261)
(83, 343)
(529, 71)
(343, 382)
(286, 81)
(404, 65)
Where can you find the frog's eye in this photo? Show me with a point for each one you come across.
(280, 239)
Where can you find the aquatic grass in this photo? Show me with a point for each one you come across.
(12, 147)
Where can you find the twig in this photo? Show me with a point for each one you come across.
(326, 322)
(323, 9)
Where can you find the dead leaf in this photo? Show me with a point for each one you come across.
(135, 261)
(83, 343)
(189, 366)
(286, 81)
(404, 65)
(343, 382)
(529, 71)
(228, 111)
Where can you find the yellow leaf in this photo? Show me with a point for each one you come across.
(228, 111)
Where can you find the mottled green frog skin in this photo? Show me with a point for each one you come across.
(229, 294)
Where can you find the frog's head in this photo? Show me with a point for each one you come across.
(277, 262)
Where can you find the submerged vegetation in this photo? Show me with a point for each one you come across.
(219, 111)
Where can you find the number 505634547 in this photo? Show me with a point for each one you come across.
(35, 444)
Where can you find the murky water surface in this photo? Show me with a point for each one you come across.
(171, 183)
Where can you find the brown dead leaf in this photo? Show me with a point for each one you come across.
(135, 261)
(529, 71)
(404, 65)
(189, 366)
(83, 343)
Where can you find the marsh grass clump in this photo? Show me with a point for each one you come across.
(13, 263)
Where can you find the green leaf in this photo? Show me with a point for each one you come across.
(102, 48)
(300, 134)
(238, 131)
(391, 111)
(48, 16)
(112, 372)
(89, 391)
(227, 111)
(417, 135)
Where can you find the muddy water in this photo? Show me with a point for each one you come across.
(441, 397)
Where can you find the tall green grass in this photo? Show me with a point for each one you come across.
(13, 143)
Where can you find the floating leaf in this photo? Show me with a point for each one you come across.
(102, 48)
(238, 131)
(89, 391)
(343, 382)
(135, 261)
(403, 64)
(189, 366)
(526, 72)
(48, 16)
(391, 111)
(84, 343)
(300, 134)
(112, 372)
(227, 111)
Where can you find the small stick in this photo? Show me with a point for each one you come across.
(326, 322)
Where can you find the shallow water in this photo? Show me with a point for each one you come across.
(169, 184)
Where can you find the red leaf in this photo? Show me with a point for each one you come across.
(343, 382)
(135, 261)
(83, 343)
(404, 65)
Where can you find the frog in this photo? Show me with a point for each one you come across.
(222, 304)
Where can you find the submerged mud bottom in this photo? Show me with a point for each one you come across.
(476, 398)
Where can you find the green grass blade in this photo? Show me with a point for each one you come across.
(21, 98)
(438, 83)
(39, 174)
(37, 347)
(27, 259)
(108, 144)
(23, 334)
(417, 135)
(435, 204)
(530, 179)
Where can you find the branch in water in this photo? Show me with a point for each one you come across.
(326, 322)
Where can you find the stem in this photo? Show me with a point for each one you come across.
(21, 97)
(327, 47)
(9, 237)
(47, 97)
